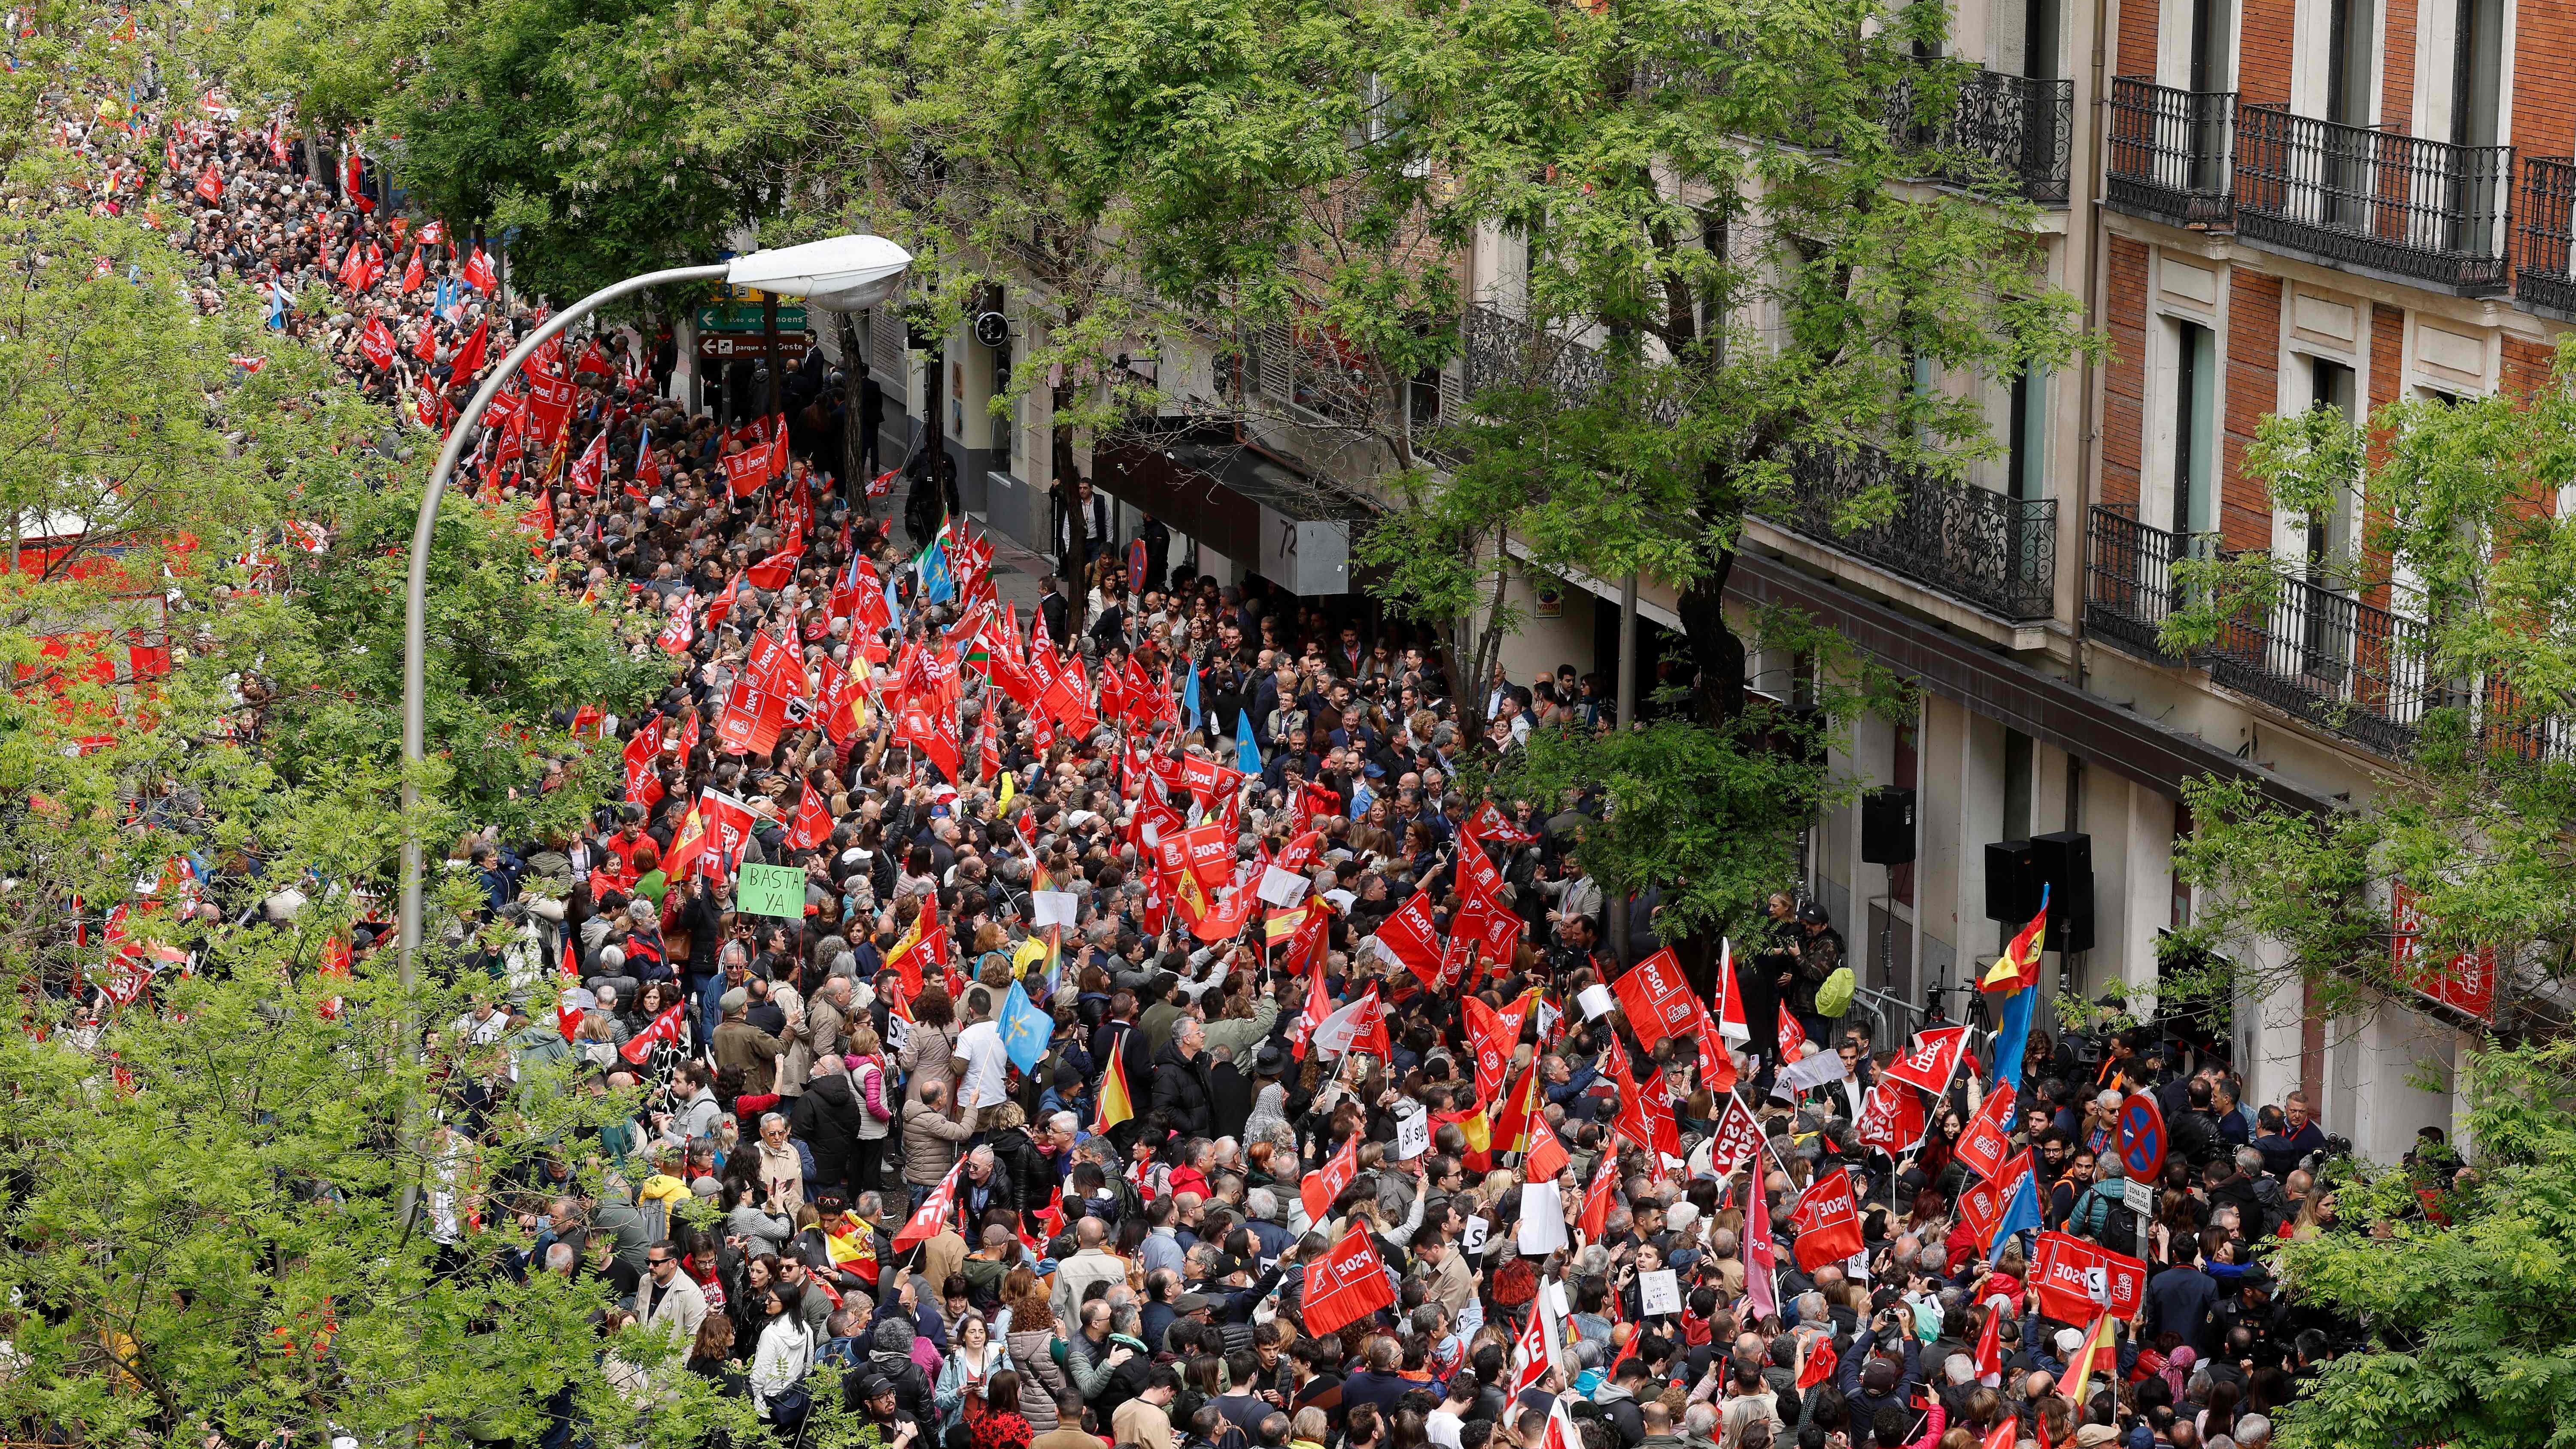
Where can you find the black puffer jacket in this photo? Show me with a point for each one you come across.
(1184, 1091)
(1030, 1176)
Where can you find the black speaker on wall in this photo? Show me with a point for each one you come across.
(1887, 826)
(2065, 861)
(2012, 882)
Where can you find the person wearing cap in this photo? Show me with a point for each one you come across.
(740, 1045)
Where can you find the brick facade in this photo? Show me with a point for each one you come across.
(2544, 60)
(2124, 382)
(2252, 380)
(2263, 52)
(2137, 38)
(2397, 74)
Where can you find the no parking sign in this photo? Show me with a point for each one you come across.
(2142, 1137)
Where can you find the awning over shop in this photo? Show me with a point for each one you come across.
(1242, 503)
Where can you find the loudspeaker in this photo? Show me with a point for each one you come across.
(2012, 882)
(2065, 861)
(1887, 826)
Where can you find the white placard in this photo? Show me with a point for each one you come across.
(1857, 1265)
(1542, 1219)
(2139, 1197)
(1811, 1072)
(1283, 888)
(1659, 1293)
(1472, 1235)
(1053, 908)
(1412, 1135)
(1595, 1001)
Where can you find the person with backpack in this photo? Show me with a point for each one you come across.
(875, 1090)
(2102, 1211)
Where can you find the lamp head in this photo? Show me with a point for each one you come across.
(838, 274)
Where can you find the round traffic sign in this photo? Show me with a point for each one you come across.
(2142, 1137)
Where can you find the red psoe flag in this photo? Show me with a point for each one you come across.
(1347, 1285)
(1827, 1222)
(1547, 1156)
(665, 1028)
(1984, 1145)
(813, 821)
(1657, 998)
(926, 1220)
(1321, 1187)
(1408, 937)
(1933, 1060)
(479, 273)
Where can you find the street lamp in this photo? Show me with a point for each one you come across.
(841, 274)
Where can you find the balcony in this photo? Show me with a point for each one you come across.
(2018, 125)
(2347, 667)
(2544, 281)
(2170, 154)
(2128, 579)
(1996, 554)
(2397, 207)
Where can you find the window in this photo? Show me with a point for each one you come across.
(2039, 39)
(2195, 435)
(2331, 389)
(2026, 444)
(2210, 28)
(2350, 45)
(2477, 66)
(1422, 403)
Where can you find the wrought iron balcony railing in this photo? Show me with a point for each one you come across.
(2397, 206)
(1978, 122)
(2545, 279)
(2171, 153)
(2348, 667)
(1995, 553)
(2128, 578)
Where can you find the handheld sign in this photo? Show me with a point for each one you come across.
(771, 890)
(1659, 1293)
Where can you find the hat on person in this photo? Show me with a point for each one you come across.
(875, 1386)
(1189, 1303)
(2091, 1434)
(736, 999)
(2069, 1340)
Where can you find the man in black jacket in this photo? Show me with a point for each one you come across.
(1184, 1086)
(827, 1120)
(1022, 1159)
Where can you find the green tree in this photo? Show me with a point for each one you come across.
(2456, 1275)
(202, 1186)
(2474, 825)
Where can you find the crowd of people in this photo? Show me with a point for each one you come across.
(1164, 1051)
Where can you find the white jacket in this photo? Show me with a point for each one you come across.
(784, 1355)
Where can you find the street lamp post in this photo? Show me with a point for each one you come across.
(843, 273)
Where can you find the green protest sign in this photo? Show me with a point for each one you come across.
(771, 890)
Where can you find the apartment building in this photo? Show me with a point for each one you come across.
(2267, 205)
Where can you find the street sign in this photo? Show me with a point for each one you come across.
(745, 317)
(2142, 1137)
(729, 346)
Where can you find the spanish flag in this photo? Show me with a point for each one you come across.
(2018, 966)
(1116, 1104)
(1511, 1113)
(2099, 1355)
